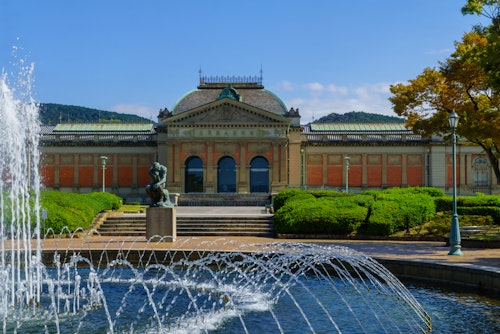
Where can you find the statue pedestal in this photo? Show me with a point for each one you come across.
(161, 224)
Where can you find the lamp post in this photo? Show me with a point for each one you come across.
(346, 161)
(103, 164)
(455, 248)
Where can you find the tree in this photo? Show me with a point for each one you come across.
(487, 58)
(460, 83)
(487, 8)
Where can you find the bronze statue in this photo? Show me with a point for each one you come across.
(156, 189)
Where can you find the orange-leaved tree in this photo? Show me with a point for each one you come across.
(460, 83)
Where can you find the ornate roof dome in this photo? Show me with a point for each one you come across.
(248, 90)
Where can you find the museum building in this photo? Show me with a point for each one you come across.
(230, 135)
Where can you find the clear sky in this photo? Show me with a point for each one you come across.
(139, 56)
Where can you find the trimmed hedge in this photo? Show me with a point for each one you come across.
(68, 212)
(327, 215)
(396, 211)
(283, 196)
(492, 211)
(432, 192)
(386, 212)
(483, 205)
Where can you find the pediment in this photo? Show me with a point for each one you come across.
(226, 111)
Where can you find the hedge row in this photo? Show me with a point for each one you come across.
(371, 212)
(68, 212)
(391, 213)
(482, 205)
(305, 214)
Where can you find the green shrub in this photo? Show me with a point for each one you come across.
(397, 211)
(282, 196)
(70, 212)
(443, 203)
(328, 193)
(326, 215)
(383, 218)
(300, 197)
(430, 191)
(492, 211)
(440, 224)
(479, 200)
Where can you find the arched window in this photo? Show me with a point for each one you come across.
(226, 175)
(259, 175)
(481, 172)
(194, 175)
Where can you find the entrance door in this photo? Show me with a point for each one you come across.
(226, 175)
(259, 175)
(194, 175)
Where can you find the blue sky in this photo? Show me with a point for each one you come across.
(140, 56)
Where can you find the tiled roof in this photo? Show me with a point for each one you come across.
(260, 98)
(104, 127)
(359, 132)
(98, 134)
(358, 127)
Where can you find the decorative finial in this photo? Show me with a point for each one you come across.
(200, 72)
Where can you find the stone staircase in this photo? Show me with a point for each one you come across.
(134, 224)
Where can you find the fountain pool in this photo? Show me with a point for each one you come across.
(278, 288)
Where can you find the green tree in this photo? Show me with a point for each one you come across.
(487, 56)
(461, 83)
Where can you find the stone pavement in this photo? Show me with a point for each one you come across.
(432, 252)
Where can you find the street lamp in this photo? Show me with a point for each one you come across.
(346, 161)
(103, 164)
(455, 248)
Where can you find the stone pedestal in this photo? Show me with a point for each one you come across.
(161, 224)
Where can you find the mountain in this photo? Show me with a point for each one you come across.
(52, 114)
(359, 117)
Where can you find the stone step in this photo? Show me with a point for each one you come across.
(198, 225)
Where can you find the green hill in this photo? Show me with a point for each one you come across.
(52, 114)
(359, 117)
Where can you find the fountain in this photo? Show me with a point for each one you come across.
(277, 288)
(129, 287)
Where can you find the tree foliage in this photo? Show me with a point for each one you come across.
(358, 117)
(465, 82)
(52, 114)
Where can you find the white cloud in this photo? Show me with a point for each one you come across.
(316, 100)
(135, 109)
(314, 87)
(286, 86)
(439, 52)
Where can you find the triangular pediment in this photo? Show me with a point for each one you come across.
(226, 111)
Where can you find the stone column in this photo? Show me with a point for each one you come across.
(283, 164)
(324, 168)
(209, 169)
(243, 183)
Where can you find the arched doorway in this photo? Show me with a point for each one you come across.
(226, 175)
(194, 175)
(259, 175)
